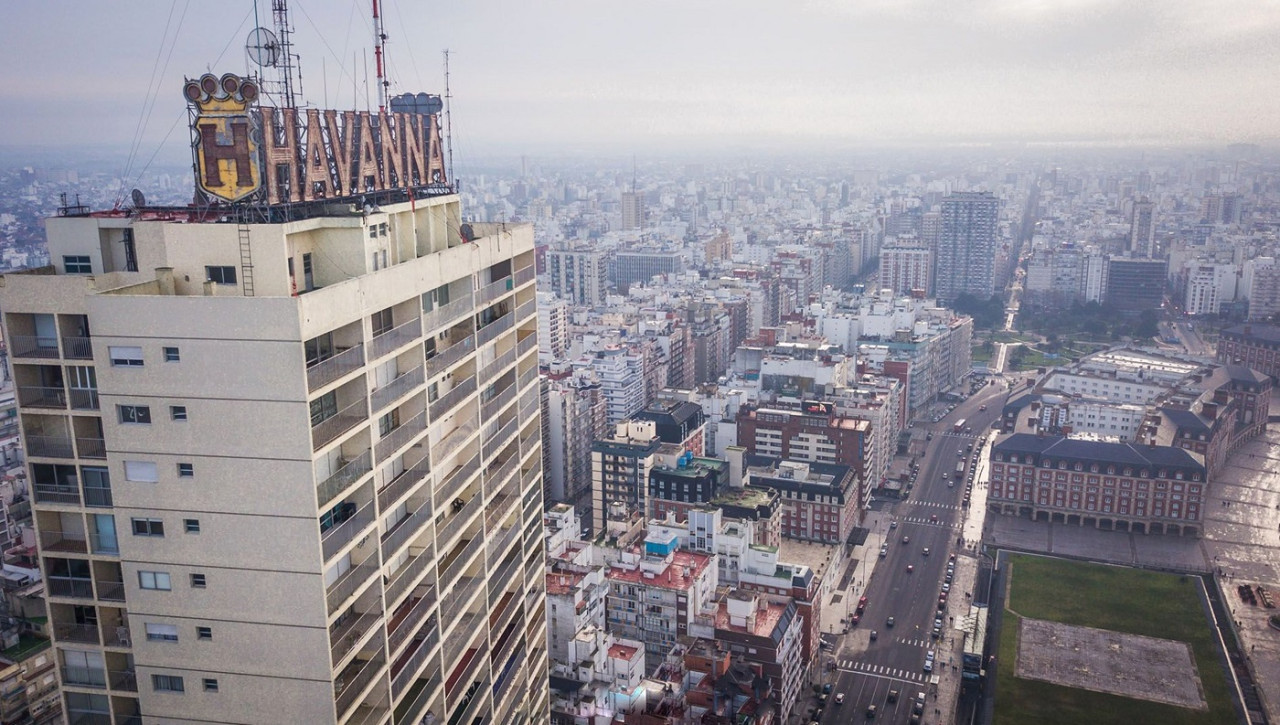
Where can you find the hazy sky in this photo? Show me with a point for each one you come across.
(542, 75)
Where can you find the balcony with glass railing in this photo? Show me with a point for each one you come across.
(355, 679)
(409, 617)
(396, 389)
(450, 400)
(406, 528)
(329, 429)
(443, 315)
(395, 338)
(441, 361)
(350, 582)
(339, 535)
(402, 484)
(494, 290)
(323, 372)
(108, 544)
(496, 403)
(399, 437)
(348, 473)
(42, 396)
(525, 275)
(351, 632)
(408, 576)
(494, 328)
(413, 661)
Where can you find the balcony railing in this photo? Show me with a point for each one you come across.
(82, 633)
(450, 400)
(495, 477)
(450, 355)
(77, 348)
(461, 515)
(492, 370)
(104, 544)
(347, 584)
(499, 545)
(409, 671)
(330, 428)
(123, 680)
(66, 586)
(494, 290)
(411, 621)
(97, 496)
(499, 439)
(526, 309)
(414, 711)
(84, 399)
(450, 485)
(337, 537)
(341, 479)
(530, 401)
(465, 629)
(497, 402)
(345, 637)
(525, 274)
(459, 562)
(397, 437)
(42, 396)
(452, 440)
(406, 528)
(358, 682)
(33, 346)
(116, 636)
(84, 676)
(85, 716)
(91, 447)
(395, 338)
(49, 493)
(503, 574)
(443, 315)
(111, 590)
(396, 389)
(402, 484)
(408, 577)
(493, 329)
(326, 371)
(528, 376)
(498, 508)
(526, 343)
(526, 477)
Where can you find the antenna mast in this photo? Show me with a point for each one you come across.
(379, 38)
(448, 122)
(280, 13)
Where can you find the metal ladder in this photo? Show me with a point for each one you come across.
(246, 262)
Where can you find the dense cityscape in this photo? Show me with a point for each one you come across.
(945, 433)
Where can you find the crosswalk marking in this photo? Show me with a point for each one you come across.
(881, 671)
(912, 642)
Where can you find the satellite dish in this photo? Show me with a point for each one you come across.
(139, 200)
(262, 47)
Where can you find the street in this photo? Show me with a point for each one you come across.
(867, 670)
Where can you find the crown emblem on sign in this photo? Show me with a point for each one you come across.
(228, 94)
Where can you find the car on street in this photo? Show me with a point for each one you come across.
(925, 551)
(906, 539)
(910, 568)
(871, 712)
(946, 588)
(982, 407)
(889, 622)
(928, 665)
(884, 551)
(893, 695)
(933, 518)
(893, 524)
(854, 620)
(874, 635)
(839, 698)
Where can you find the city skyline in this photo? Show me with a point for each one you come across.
(1084, 72)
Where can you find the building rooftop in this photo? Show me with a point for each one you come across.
(1086, 451)
(679, 574)
(623, 652)
(1262, 333)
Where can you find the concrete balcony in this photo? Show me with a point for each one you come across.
(491, 331)
(527, 343)
(413, 708)
(405, 529)
(526, 309)
(457, 562)
(33, 346)
(494, 290)
(111, 590)
(77, 348)
(451, 399)
(399, 437)
(395, 338)
(123, 680)
(498, 545)
(408, 576)
(530, 402)
(448, 313)
(63, 542)
(402, 484)
(79, 633)
(368, 714)
(453, 483)
(333, 540)
(348, 584)
(463, 630)
(70, 587)
(404, 626)
(116, 636)
(525, 275)
(49, 493)
(450, 355)
(496, 476)
(94, 448)
(495, 368)
(342, 479)
(528, 376)
(499, 439)
(329, 429)
(352, 683)
(84, 399)
(343, 638)
(452, 441)
(396, 389)
(320, 374)
(42, 396)
(409, 669)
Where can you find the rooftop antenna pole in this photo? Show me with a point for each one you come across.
(448, 122)
(280, 12)
(379, 38)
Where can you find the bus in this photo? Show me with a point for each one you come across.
(959, 470)
(959, 426)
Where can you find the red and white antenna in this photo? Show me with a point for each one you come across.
(380, 37)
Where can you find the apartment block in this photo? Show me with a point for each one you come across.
(286, 462)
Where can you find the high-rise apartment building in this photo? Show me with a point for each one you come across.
(580, 277)
(1142, 229)
(285, 456)
(640, 267)
(965, 262)
(632, 210)
(905, 266)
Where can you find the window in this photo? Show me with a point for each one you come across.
(382, 321)
(388, 423)
(220, 275)
(167, 683)
(157, 580)
(140, 471)
(198, 581)
(162, 632)
(76, 264)
(125, 357)
(191, 525)
(324, 408)
(171, 354)
(204, 632)
(210, 684)
(135, 414)
(148, 527)
(186, 470)
(178, 412)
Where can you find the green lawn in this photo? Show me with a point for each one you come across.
(1032, 359)
(1106, 597)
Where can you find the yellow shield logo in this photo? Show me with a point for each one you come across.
(225, 136)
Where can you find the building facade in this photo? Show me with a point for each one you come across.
(965, 261)
(1254, 346)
